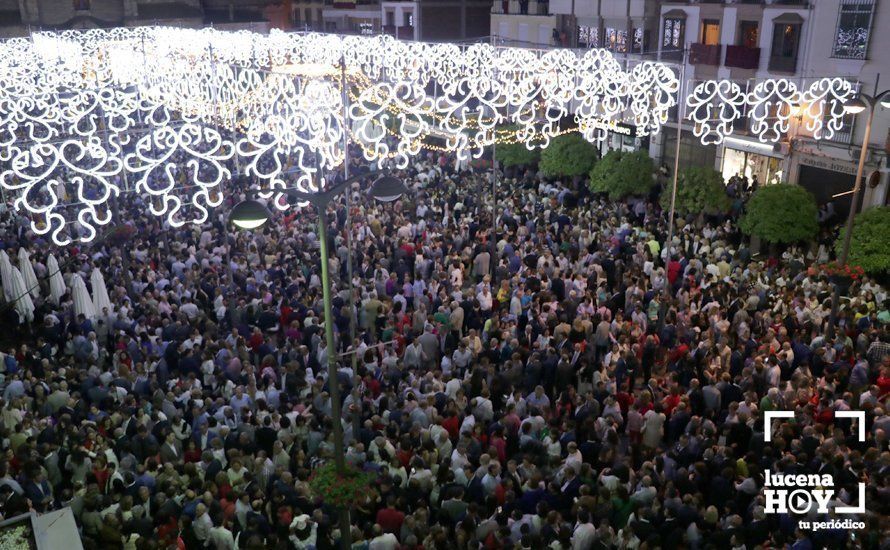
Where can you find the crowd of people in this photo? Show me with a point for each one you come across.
(572, 380)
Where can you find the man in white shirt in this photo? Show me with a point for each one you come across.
(383, 541)
(584, 533)
(203, 524)
(221, 538)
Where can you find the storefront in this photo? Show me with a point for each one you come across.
(828, 179)
(692, 152)
(623, 137)
(753, 160)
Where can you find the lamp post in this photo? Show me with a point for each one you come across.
(251, 214)
(863, 102)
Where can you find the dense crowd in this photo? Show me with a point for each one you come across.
(572, 381)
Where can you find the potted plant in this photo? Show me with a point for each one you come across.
(336, 489)
(842, 275)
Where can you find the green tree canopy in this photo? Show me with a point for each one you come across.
(871, 238)
(698, 190)
(568, 155)
(516, 154)
(781, 213)
(622, 174)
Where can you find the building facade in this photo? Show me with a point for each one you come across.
(447, 20)
(749, 42)
(18, 17)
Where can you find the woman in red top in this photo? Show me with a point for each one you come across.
(884, 381)
(452, 424)
(500, 444)
(101, 472)
(480, 436)
(192, 452)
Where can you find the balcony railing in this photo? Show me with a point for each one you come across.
(742, 57)
(671, 55)
(517, 7)
(405, 32)
(782, 64)
(704, 54)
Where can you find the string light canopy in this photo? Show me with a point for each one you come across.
(172, 114)
(716, 106)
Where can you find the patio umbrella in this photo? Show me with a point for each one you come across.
(56, 281)
(82, 302)
(100, 292)
(6, 276)
(23, 304)
(28, 274)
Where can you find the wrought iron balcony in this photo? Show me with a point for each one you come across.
(742, 57)
(704, 54)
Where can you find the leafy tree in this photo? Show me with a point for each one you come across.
(622, 174)
(568, 155)
(603, 171)
(869, 245)
(781, 213)
(698, 190)
(516, 154)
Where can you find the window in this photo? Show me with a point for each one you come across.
(81, 5)
(748, 34)
(391, 18)
(588, 37)
(853, 29)
(616, 40)
(710, 32)
(786, 37)
(674, 31)
(638, 41)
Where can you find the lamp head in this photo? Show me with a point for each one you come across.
(387, 189)
(854, 106)
(249, 214)
(885, 101)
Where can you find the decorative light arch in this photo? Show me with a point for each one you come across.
(173, 113)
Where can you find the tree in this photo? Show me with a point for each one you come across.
(516, 154)
(568, 155)
(781, 213)
(698, 190)
(622, 174)
(871, 235)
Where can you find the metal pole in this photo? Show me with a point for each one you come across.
(871, 104)
(492, 264)
(680, 113)
(352, 319)
(333, 381)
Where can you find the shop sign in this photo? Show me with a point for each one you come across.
(616, 127)
(826, 163)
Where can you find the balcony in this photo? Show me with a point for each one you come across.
(779, 64)
(404, 32)
(704, 54)
(517, 7)
(672, 55)
(742, 57)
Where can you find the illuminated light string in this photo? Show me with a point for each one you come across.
(716, 105)
(87, 113)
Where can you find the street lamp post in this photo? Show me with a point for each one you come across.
(251, 214)
(863, 102)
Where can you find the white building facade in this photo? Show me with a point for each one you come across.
(750, 42)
